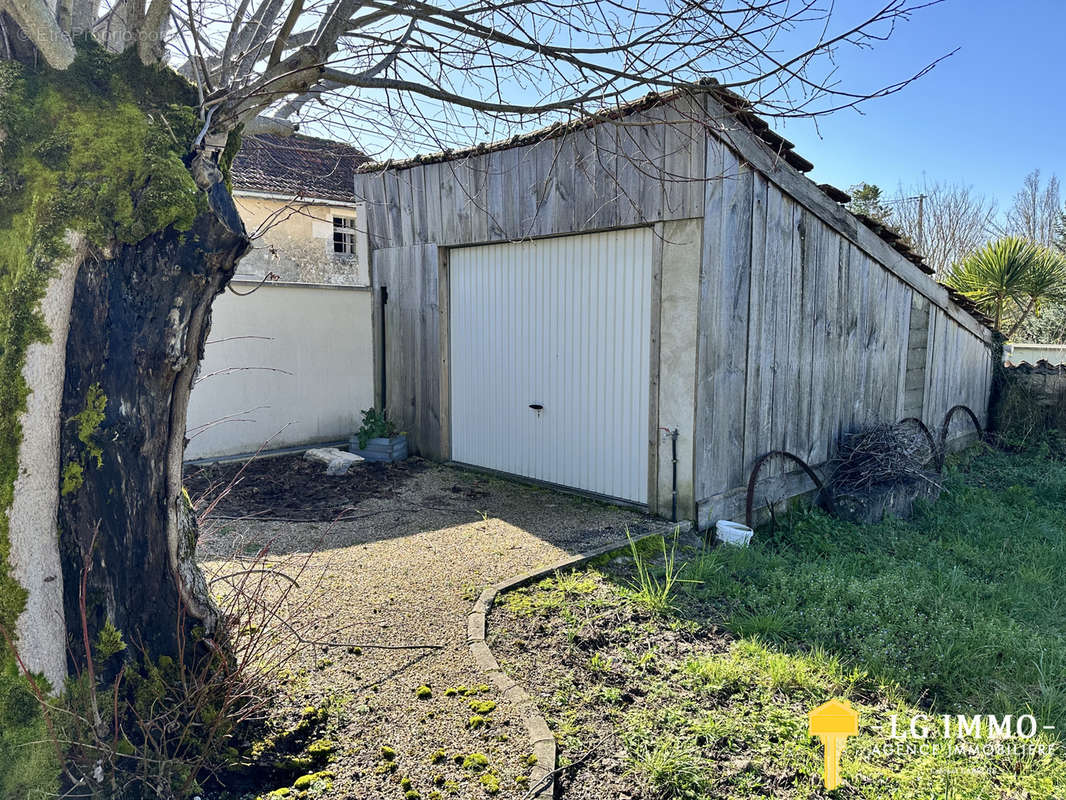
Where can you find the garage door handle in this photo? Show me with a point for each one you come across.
(536, 406)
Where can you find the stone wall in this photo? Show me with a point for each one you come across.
(294, 240)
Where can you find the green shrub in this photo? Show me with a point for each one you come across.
(375, 426)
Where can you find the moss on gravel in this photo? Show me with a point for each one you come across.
(362, 587)
(307, 781)
(474, 762)
(321, 750)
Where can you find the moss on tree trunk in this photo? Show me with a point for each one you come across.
(102, 148)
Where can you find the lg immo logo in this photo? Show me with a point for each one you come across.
(962, 726)
(833, 723)
(972, 735)
(965, 735)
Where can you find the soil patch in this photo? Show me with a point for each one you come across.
(294, 489)
(590, 657)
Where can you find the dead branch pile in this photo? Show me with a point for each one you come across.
(879, 455)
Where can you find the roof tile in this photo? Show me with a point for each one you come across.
(297, 166)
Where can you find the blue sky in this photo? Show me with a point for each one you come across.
(985, 117)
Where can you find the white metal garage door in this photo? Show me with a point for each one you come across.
(564, 325)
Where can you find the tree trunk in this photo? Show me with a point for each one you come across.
(1021, 318)
(139, 321)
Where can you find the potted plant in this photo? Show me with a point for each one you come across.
(377, 439)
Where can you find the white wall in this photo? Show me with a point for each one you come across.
(320, 335)
(1020, 352)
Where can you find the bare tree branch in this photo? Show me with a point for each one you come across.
(951, 219)
(411, 74)
(274, 125)
(286, 30)
(231, 39)
(1037, 209)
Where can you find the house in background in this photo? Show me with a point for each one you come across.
(294, 194)
(642, 304)
(289, 359)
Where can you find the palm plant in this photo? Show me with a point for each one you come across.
(1011, 278)
(1046, 283)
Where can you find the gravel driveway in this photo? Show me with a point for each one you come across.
(405, 569)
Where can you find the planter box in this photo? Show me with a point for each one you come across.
(392, 449)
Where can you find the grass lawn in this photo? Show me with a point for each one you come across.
(706, 693)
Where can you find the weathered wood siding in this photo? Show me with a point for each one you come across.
(803, 316)
(412, 338)
(608, 176)
(805, 331)
(958, 371)
(599, 178)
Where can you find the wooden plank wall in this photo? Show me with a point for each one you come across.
(803, 336)
(598, 178)
(604, 177)
(412, 340)
(958, 371)
(805, 314)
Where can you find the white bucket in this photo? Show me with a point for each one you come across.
(733, 533)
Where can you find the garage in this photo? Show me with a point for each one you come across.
(643, 305)
(549, 353)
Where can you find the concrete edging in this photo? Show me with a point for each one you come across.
(542, 777)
